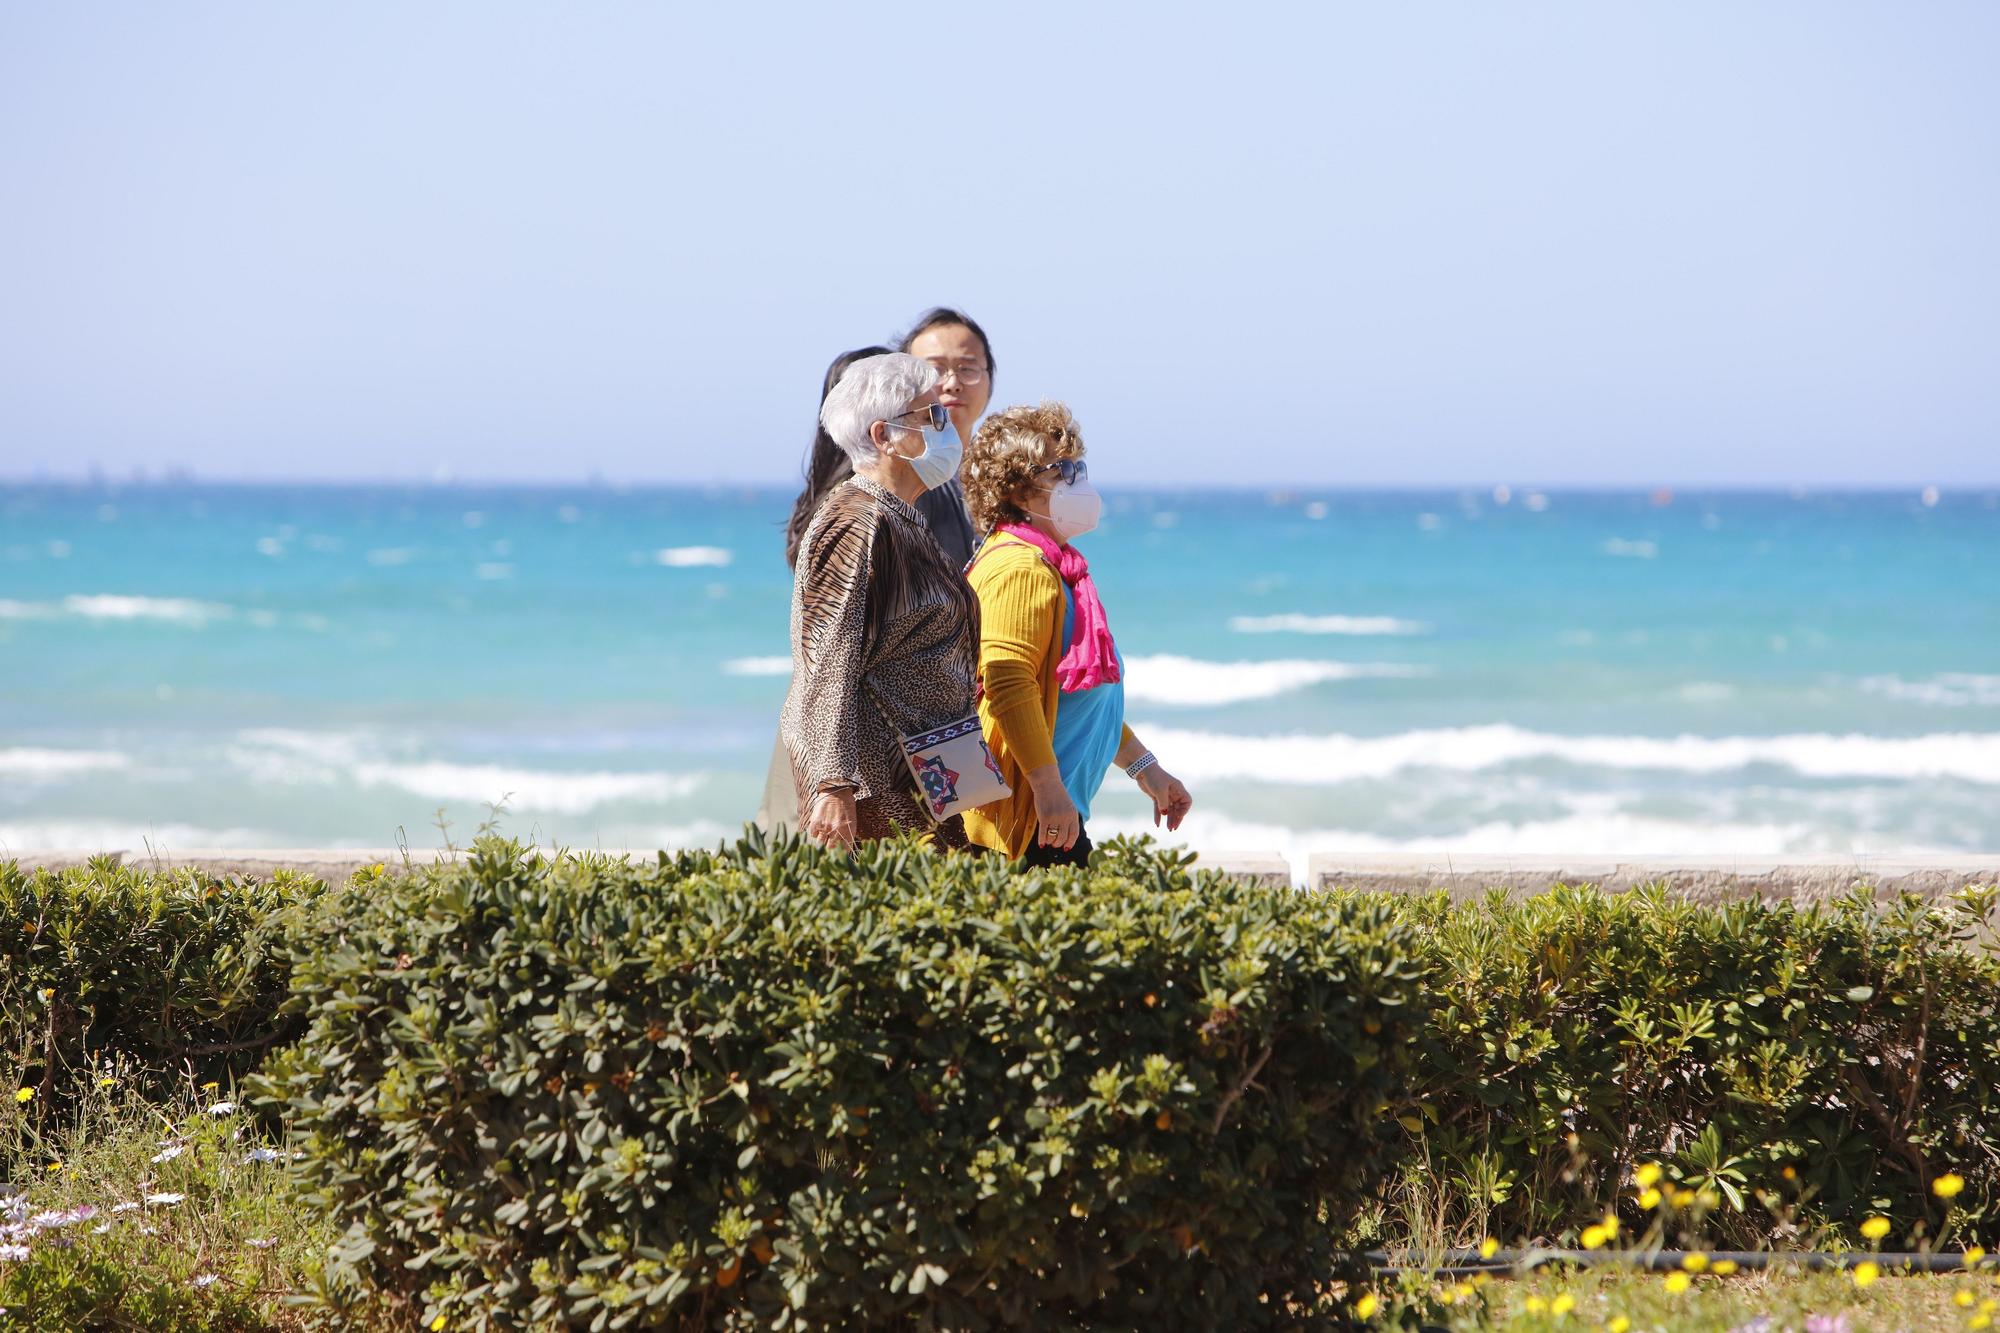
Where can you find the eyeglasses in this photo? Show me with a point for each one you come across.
(967, 375)
(939, 418)
(1069, 469)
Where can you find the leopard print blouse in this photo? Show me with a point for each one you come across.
(885, 641)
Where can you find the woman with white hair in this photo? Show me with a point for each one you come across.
(885, 639)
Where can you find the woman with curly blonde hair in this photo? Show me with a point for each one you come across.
(1054, 702)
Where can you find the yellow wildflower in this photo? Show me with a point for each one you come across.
(1650, 1199)
(1980, 1321)
(1695, 1261)
(1648, 1175)
(1488, 1248)
(437, 1324)
(1610, 1225)
(107, 1082)
(1866, 1272)
(1790, 1173)
(55, 1166)
(1562, 1305)
(1722, 1267)
(1619, 1324)
(1594, 1237)
(1875, 1228)
(1962, 1296)
(1973, 1254)
(1534, 1305)
(24, 1096)
(1683, 1198)
(1948, 1185)
(1678, 1282)
(1365, 1307)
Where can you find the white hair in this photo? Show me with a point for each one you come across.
(875, 388)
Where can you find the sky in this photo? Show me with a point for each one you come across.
(1338, 244)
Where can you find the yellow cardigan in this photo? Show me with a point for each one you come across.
(1021, 604)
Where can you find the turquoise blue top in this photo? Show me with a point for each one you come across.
(1090, 725)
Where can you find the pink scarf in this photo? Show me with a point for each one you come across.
(1092, 659)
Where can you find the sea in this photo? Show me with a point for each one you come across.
(1513, 671)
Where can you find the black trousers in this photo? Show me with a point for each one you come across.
(1038, 858)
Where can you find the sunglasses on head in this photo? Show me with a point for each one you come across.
(1069, 469)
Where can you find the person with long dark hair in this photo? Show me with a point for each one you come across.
(958, 349)
(884, 629)
(827, 465)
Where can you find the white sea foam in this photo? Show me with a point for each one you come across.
(523, 788)
(32, 764)
(1970, 756)
(758, 666)
(114, 606)
(1295, 623)
(1610, 834)
(275, 756)
(1188, 682)
(1637, 550)
(693, 557)
(111, 835)
(1949, 689)
(111, 606)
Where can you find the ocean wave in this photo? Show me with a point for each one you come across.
(116, 606)
(525, 788)
(1297, 623)
(32, 764)
(111, 606)
(276, 756)
(1948, 689)
(1189, 682)
(1969, 756)
(1608, 834)
(114, 835)
(693, 557)
(758, 666)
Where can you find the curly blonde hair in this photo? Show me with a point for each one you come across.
(1004, 453)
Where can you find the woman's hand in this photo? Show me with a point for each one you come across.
(1057, 823)
(1170, 798)
(830, 820)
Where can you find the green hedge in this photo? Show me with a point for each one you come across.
(1804, 1066)
(170, 975)
(774, 1083)
(795, 1089)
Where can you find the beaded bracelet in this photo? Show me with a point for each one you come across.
(1141, 764)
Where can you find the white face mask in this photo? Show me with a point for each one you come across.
(1074, 508)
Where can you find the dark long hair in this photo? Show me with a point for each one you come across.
(944, 314)
(827, 465)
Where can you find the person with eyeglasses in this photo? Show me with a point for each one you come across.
(1054, 702)
(885, 639)
(958, 349)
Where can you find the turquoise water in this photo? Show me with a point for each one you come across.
(1715, 674)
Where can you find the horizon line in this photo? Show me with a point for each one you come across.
(190, 480)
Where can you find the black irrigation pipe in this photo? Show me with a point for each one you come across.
(1468, 1263)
